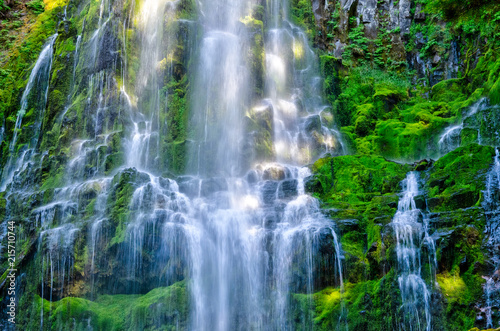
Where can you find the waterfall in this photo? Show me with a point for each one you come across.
(450, 139)
(38, 81)
(221, 92)
(293, 88)
(492, 207)
(236, 226)
(410, 233)
(238, 232)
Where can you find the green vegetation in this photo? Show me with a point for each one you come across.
(456, 179)
(165, 307)
(302, 15)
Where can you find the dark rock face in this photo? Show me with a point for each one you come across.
(312, 123)
(268, 191)
(287, 189)
(311, 184)
(377, 17)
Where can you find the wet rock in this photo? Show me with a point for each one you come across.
(373, 248)
(436, 59)
(419, 15)
(367, 10)
(165, 183)
(440, 235)
(404, 16)
(268, 191)
(271, 220)
(288, 188)
(420, 202)
(189, 185)
(434, 202)
(90, 192)
(384, 219)
(107, 49)
(463, 199)
(420, 40)
(312, 123)
(312, 184)
(347, 225)
(259, 125)
(252, 177)
(423, 164)
(393, 204)
(339, 49)
(274, 172)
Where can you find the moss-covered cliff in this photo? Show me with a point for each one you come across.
(410, 80)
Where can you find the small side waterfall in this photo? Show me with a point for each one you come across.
(38, 82)
(450, 139)
(410, 233)
(491, 205)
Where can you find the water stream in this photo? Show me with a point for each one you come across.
(238, 231)
(492, 207)
(411, 233)
(38, 81)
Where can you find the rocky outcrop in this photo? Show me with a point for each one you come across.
(392, 31)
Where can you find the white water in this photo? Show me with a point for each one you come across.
(293, 88)
(246, 239)
(450, 138)
(410, 235)
(492, 207)
(39, 81)
(240, 246)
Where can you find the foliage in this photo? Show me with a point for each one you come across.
(118, 312)
(37, 6)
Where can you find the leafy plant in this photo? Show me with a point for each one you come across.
(37, 6)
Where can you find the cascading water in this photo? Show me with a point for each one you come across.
(144, 145)
(221, 92)
(410, 235)
(240, 236)
(38, 82)
(492, 207)
(450, 139)
(241, 230)
(293, 88)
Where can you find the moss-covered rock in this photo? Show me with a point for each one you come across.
(164, 308)
(457, 179)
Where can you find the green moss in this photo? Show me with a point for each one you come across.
(303, 16)
(120, 312)
(369, 305)
(327, 301)
(456, 180)
(355, 180)
(452, 286)
(329, 71)
(458, 297)
(119, 201)
(113, 161)
(55, 178)
(3, 205)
